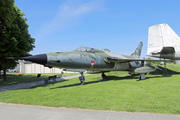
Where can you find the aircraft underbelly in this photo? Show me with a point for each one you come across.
(121, 66)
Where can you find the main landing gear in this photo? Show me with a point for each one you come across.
(165, 70)
(82, 78)
(142, 76)
(103, 76)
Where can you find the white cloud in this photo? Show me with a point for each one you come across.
(67, 12)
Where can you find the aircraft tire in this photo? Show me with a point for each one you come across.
(82, 82)
(103, 76)
(139, 77)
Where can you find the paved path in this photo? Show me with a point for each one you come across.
(25, 112)
(32, 84)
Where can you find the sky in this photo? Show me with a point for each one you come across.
(119, 25)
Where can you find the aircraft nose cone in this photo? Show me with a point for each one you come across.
(41, 58)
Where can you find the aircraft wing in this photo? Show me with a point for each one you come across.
(116, 59)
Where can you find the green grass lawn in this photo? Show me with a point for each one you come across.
(119, 92)
(28, 77)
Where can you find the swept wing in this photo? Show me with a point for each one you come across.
(116, 59)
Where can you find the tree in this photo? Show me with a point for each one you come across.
(0, 70)
(15, 38)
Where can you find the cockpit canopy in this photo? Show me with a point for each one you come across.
(90, 50)
(106, 50)
(85, 49)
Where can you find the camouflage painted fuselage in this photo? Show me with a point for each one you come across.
(95, 60)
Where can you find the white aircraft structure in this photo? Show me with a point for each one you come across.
(163, 42)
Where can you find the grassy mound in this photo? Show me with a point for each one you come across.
(119, 92)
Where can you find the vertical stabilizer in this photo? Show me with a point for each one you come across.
(160, 36)
(137, 52)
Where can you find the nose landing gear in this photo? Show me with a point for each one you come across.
(103, 76)
(82, 78)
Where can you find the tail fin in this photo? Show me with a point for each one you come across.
(160, 36)
(137, 52)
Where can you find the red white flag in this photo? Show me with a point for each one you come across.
(92, 64)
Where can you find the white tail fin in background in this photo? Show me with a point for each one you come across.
(160, 36)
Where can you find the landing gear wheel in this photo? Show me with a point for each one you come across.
(142, 77)
(165, 70)
(139, 77)
(82, 82)
(82, 79)
(103, 76)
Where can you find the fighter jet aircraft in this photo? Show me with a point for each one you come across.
(94, 61)
(163, 42)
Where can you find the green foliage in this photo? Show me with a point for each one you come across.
(119, 92)
(14, 36)
(153, 63)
